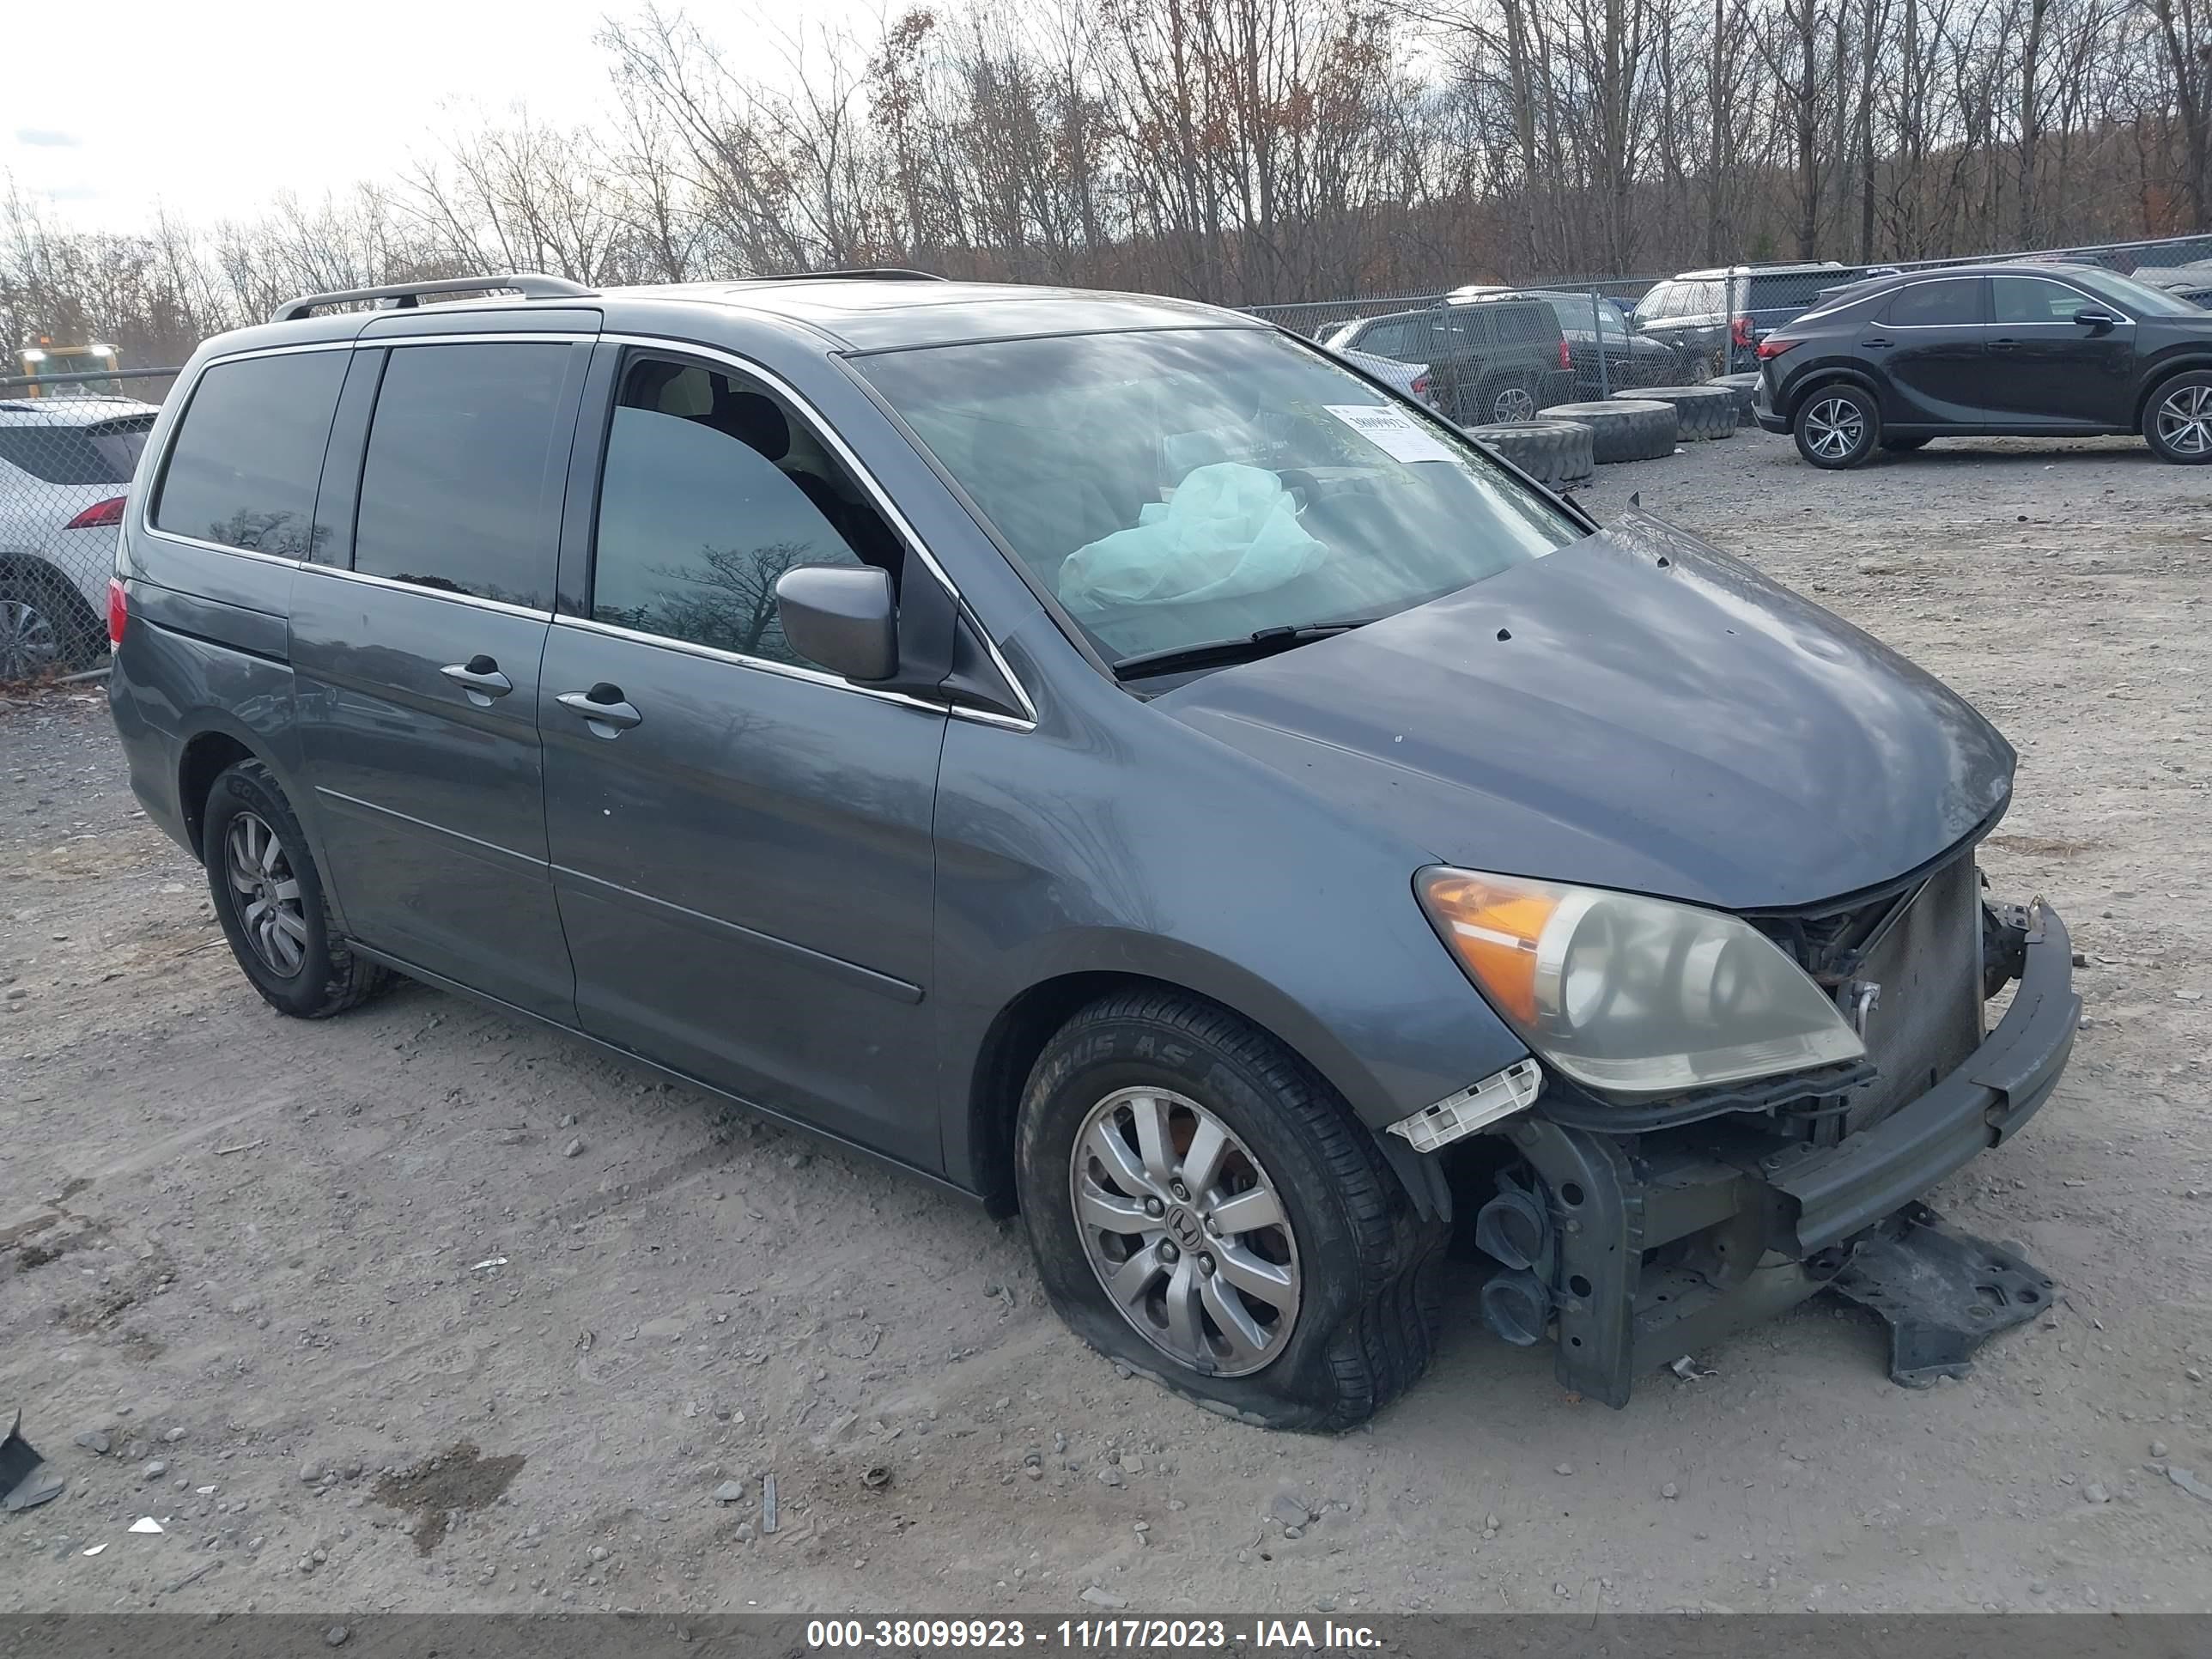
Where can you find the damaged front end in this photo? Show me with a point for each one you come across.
(1636, 1231)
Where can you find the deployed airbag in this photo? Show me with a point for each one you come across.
(1230, 529)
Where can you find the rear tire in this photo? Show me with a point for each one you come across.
(45, 626)
(1621, 429)
(2177, 421)
(269, 897)
(1837, 425)
(1348, 1312)
(1510, 401)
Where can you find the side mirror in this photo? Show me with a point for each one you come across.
(844, 619)
(2096, 321)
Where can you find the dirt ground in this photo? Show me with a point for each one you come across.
(422, 1309)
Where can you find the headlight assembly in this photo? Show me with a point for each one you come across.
(1633, 997)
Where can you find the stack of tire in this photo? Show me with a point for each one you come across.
(1746, 388)
(1558, 453)
(1621, 429)
(1700, 411)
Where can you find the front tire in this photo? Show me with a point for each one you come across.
(1836, 425)
(2177, 421)
(1206, 1210)
(269, 897)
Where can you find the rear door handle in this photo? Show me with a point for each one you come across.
(479, 677)
(602, 709)
(2002, 345)
(1874, 345)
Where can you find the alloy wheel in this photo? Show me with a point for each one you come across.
(1516, 403)
(268, 892)
(1834, 429)
(2185, 421)
(1186, 1231)
(29, 644)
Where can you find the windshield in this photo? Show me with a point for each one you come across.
(1183, 486)
(2140, 299)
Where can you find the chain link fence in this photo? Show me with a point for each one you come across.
(68, 444)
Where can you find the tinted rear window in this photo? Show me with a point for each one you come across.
(103, 454)
(1520, 324)
(1384, 340)
(453, 488)
(243, 469)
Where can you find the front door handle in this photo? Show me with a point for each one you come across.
(479, 677)
(2002, 345)
(602, 709)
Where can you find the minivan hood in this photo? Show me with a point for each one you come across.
(1637, 710)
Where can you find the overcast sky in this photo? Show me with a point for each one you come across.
(211, 109)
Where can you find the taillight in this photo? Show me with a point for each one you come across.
(118, 612)
(1740, 332)
(1566, 358)
(99, 513)
(1774, 345)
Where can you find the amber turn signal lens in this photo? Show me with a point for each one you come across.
(1492, 927)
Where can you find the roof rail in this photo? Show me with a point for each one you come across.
(531, 285)
(879, 273)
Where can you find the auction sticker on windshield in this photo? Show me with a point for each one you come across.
(1393, 431)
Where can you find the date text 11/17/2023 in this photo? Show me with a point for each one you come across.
(1087, 1636)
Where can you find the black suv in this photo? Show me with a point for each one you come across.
(1604, 354)
(1717, 317)
(1497, 362)
(2027, 350)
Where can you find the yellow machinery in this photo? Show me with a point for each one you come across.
(45, 359)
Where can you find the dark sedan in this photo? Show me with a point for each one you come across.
(2056, 351)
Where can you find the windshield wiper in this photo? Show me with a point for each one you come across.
(1219, 653)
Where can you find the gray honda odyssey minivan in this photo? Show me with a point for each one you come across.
(1107, 754)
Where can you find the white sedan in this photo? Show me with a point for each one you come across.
(1411, 378)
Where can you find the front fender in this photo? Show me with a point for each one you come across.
(1061, 854)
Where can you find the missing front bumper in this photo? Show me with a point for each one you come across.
(1660, 1250)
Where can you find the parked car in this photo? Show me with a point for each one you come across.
(1588, 322)
(2051, 350)
(2191, 282)
(1500, 362)
(1099, 752)
(1717, 317)
(66, 463)
(1411, 378)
